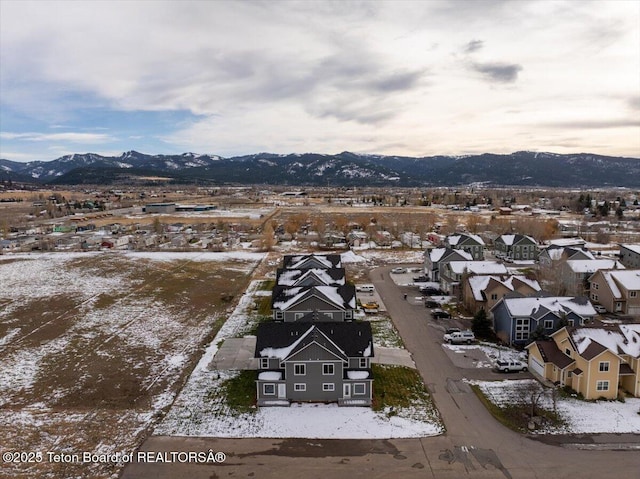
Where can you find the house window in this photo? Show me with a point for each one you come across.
(494, 296)
(279, 315)
(594, 285)
(594, 297)
(602, 386)
(297, 316)
(348, 314)
(548, 324)
(633, 294)
(328, 387)
(567, 352)
(364, 363)
(268, 389)
(618, 306)
(569, 322)
(328, 369)
(522, 329)
(603, 366)
(299, 369)
(359, 388)
(299, 387)
(264, 363)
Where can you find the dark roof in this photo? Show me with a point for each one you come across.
(347, 293)
(594, 349)
(577, 371)
(312, 260)
(352, 337)
(336, 274)
(625, 369)
(551, 354)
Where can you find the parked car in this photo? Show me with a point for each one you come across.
(459, 337)
(438, 313)
(430, 290)
(510, 366)
(370, 307)
(430, 303)
(599, 308)
(398, 270)
(365, 288)
(420, 279)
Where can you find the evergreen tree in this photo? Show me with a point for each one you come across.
(481, 326)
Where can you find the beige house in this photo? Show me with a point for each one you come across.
(595, 361)
(483, 292)
(617, 290)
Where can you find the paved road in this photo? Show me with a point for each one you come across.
(474, 446)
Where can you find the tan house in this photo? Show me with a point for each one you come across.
(483, 292)
(617, 290)
(595, 361)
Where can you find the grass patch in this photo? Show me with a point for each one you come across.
(267, 285)
(264, 305)
(384, 333)
(396, 387)
(517, 416)
(240, 392)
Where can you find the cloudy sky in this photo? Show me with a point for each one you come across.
(231, 78)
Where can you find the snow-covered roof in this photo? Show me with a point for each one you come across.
(357, 374)
(479, 283)
(525, 307)
(629, 279)
(270, 376)
(632, 247)
(287, 297)
(510, 239)
(454, 240)
(436, 254)
(567, 242)
(291, 277)
(622, 339)
(281, 353)
(478, 267)
(592, 265)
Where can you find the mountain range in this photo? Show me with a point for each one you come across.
(522, 168)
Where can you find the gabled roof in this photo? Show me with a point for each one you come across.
(511, 239)
(479, 284)
(457, 240)
(619, 339)
(317, 276)
(551, 353)
(308, 261)
(341, 297)
(438, 254)
(527, 307)
(628, 279)
(281, 340)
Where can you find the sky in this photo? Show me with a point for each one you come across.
(413, 78)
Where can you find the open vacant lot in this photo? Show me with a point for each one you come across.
(94, 347)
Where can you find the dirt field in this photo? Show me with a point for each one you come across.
(94, 348)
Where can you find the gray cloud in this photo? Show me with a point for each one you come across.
(595, 124)
(634, 102)
(497, 71)
(473, 46)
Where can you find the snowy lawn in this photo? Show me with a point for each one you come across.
(491, 352)
(94, 346)
(580, 417)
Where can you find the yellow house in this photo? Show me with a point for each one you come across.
(594, 360)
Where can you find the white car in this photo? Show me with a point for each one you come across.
(459, 337)
(599, 308)
(398, 270)
(510, 366)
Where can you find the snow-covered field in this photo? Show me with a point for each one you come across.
(93, 346)
(581, 417)
(488, 353)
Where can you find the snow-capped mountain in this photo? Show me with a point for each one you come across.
(524, 168)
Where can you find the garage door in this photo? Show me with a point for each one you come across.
(634, 310)
(536, 366)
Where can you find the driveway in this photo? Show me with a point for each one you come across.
(474, 446)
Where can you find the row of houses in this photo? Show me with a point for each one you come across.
(313, 350)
